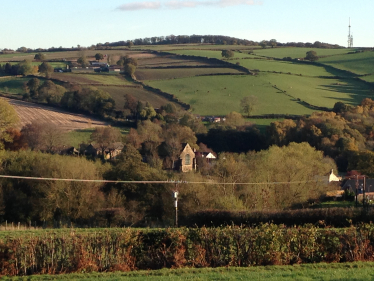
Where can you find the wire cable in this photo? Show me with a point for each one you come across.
(158, 182)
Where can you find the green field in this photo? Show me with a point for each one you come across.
(360, 63)
(13, 85)
(322, 92)
(163, 74)
(100, 78)
(294, 52)
(208, 96)
(141, 94)
(284, 66)
(207, 53)
(333, 271)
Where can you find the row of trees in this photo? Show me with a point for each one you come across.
(148, 150)
(72, 97)
(129, 203)
(183, 39)
(26, 67)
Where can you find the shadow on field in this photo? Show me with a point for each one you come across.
(355, 89)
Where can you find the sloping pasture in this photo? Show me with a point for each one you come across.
(322, 92)
(219, 95)
(295, 52)
(141, 94)
(284, 66)
(13, 85)
(360, 63)
(207, 53)
(163, 74)
(167, 61)
(98, 78)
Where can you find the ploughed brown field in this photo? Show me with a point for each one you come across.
(29, 112)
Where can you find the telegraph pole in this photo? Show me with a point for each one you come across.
(356, 190)
(175, 195)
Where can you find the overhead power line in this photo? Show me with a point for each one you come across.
(158, 182)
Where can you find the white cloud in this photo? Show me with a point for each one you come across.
(140, 6)
(178, 4)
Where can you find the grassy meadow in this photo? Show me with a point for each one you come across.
(295, 52)
(208, 53)
(322, 92)
(283, 66)
(346, 271)
(359, 63)
(165, 74)
(99, 78)
(12, 85)
(219, 95)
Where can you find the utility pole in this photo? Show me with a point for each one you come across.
(363, 193)
(175, 195)
(356, 190)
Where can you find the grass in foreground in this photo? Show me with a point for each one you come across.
(322, 271)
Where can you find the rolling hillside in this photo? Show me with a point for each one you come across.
(197, 75)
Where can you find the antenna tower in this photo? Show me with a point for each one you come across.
(350, 36)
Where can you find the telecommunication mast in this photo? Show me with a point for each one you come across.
(350, 36)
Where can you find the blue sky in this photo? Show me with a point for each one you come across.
(52, 23)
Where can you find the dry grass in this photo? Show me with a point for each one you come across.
(29, 112)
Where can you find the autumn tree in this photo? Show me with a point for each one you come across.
(227, 54)
(311, 56)
(131, 104)
(8, 119)
(273, 43)
(47, 137)
(39, 56)
(25, 68)
(99, 56)
(50, 200)
(50, 92)
(46, 69)
(32, 87)
(103, 137)
(83, 61)
(234, 119)
(248, 104)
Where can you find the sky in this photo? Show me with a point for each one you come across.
(67, 23)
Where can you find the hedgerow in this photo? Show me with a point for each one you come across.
(133, 249)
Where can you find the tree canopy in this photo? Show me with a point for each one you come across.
(311, 55)
(8, 119)
(227, 54)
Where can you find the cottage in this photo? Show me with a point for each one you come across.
(110, 153)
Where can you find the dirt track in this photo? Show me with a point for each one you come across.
(29, 112)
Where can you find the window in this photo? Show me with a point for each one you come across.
(187, 160)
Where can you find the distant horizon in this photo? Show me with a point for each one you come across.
(45, 24)
(132, 40)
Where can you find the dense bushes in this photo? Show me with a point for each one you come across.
(131, 249)
(337, 217)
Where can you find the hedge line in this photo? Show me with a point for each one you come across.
(131, 249)
(336, 217)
